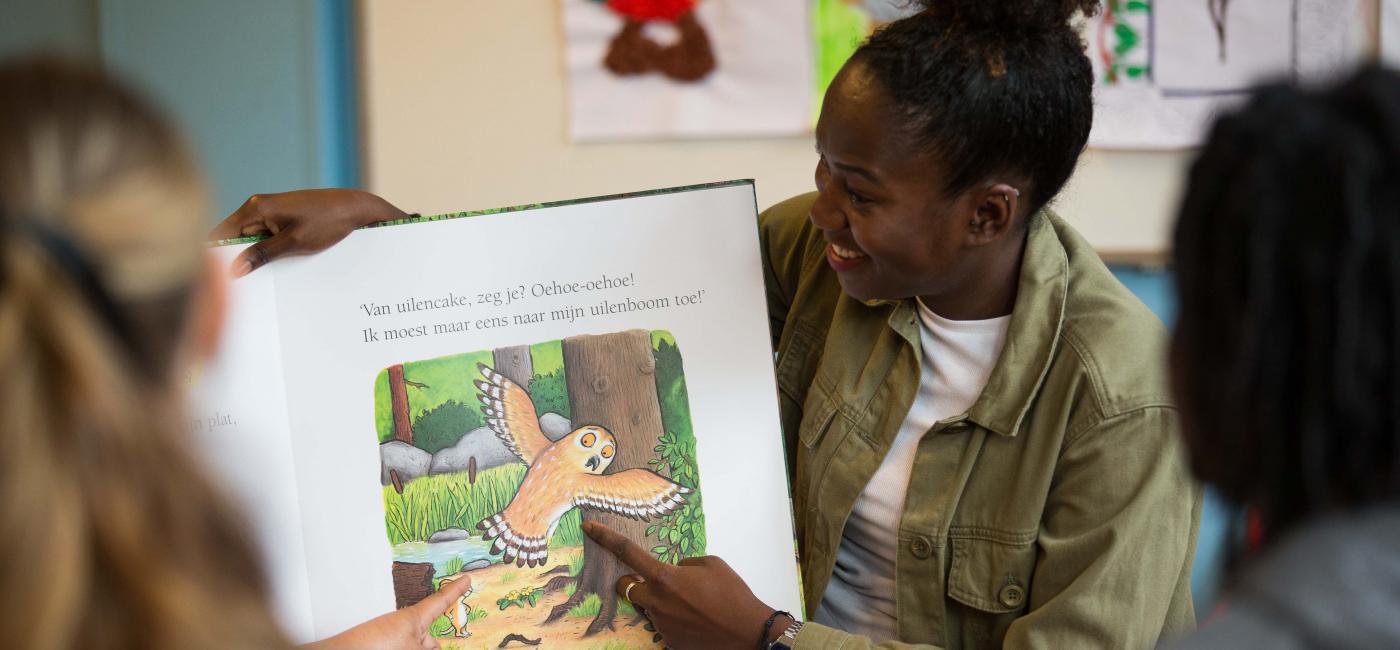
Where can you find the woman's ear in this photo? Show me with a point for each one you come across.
(206, 326)
(994, 213)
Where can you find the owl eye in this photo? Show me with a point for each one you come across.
(607, 451)
(588, 439)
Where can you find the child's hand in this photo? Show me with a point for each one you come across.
(300, 222)
(405, 629)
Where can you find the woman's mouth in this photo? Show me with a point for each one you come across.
(842, 258)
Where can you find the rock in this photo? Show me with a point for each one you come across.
(555, 425)
(480, 443)
(449, 535)
(476, 564)
(488, 449)
(410, 462)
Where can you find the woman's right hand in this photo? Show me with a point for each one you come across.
(299, 222)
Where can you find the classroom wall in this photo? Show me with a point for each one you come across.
(262, 88)
(466, 107)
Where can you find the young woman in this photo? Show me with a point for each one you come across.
(983, 450)
(1286, 359)
(111, 535)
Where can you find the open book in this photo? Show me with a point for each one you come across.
(448, 397)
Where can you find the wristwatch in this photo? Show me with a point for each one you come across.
(787, 638)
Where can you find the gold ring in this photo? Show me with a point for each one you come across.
(627, 592)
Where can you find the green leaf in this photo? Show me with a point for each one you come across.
(532, 598)
(685, 545)
(658, 549)
(651, 530)
(1136, 71)
(1139, 5)
(1127, 38)
(503, 603)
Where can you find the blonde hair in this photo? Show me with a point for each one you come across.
(109, 533)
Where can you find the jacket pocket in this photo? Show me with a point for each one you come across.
(991, 571)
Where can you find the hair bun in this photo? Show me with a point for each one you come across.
(1012, 15)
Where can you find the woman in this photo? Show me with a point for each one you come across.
(983, 450)
(110, 533)
(1286, 359)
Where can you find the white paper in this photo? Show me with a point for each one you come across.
(239, 422)
(1189, 75)
(673, 244)
(762, 84)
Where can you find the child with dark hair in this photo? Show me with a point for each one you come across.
(1286, 359)
(982, 445)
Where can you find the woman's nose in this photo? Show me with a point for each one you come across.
(826, 212)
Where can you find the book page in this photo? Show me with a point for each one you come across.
(239, 420)
(603, 359)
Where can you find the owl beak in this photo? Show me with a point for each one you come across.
(592, 463)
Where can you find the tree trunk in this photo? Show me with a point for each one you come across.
(514, 362)
(413, 581)
(611, 384)
(398, 396)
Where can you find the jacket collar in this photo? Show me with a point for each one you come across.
(1032, 336)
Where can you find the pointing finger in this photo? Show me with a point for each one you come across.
(428, 609)
(630, 554)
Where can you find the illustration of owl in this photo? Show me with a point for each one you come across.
(563, 474)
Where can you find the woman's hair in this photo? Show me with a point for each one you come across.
(111, 536)
(991, 87)
(1287, 349)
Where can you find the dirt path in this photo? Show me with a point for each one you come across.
(496, 581)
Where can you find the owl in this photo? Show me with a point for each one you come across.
(561, 475)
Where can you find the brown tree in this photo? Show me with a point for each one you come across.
(398, 399)
(611, 383)
(514, 362)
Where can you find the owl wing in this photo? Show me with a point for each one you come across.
(521, 531)
(635, 493)
(511, 414)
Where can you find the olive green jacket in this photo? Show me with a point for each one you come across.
(1058, 512)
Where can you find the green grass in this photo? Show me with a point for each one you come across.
(591, 605)
(509, 577)
(453, 566)
(443, 627)
(433, 503)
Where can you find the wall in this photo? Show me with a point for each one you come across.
(262, 87)
(466, 107)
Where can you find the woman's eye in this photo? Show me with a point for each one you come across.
(857, 198)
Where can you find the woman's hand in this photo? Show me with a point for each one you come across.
(699, 603)
(405, 629)
(300, 222)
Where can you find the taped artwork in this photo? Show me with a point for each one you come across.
(1164, 68)
(687, 68)
(509, 451)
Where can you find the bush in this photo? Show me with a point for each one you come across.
(550, 394)
(444, 425)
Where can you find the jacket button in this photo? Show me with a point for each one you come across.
(921, 547)
(1011, 596)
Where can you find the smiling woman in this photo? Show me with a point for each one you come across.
(983, 451)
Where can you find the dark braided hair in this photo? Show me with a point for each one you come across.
(991, 87)
(1287, 350)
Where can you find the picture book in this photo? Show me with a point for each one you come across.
(449, 398)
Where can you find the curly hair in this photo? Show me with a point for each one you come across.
(991, 87)
(1287, 254)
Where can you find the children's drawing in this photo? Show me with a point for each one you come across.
(690, 58)
(1164, 69)
(491, 460)
(1222, 45)
(687, 68)
(840, 26)
(1120, 43)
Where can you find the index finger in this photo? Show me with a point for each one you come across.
(632, 555)
(431, 607)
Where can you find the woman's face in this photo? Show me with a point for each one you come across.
(891, 232)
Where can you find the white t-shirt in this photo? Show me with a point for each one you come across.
(957, 360)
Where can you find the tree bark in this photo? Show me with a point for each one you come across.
(514, 362)
(398, 396)
(413, 581)
(612, 384)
